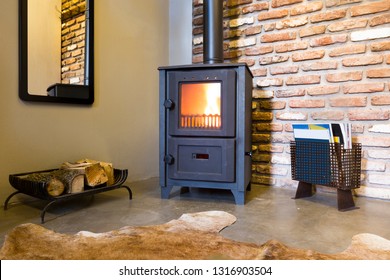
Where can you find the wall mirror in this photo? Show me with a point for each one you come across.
(56, 51)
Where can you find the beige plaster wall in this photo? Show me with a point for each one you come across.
(131, 40)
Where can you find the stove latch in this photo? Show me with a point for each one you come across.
(169, 159)
(169, 104)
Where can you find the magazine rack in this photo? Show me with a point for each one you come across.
(327, 164)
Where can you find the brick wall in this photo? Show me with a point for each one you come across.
(312, 61)
(73, 41)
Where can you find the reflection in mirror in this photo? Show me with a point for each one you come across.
(56, 58)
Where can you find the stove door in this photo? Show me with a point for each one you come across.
(201, 159)
(202, 102)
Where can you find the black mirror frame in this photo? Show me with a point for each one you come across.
(89, 60)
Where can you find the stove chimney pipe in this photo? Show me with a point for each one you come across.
(212, 31)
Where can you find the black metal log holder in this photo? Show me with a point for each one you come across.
(37, 189)
(327, 164)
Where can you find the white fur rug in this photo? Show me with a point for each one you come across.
(192, 236)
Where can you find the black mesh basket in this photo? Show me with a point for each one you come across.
(327, 164)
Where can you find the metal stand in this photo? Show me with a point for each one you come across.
(35, 189)
(69, 196)
(344, 197)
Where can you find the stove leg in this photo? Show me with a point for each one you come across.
(184, 190)
(249, 187)
(239, 197)
(166, 191)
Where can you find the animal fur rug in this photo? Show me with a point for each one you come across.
(192, 236)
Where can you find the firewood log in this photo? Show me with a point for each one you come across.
(96, 172)
(107, 166)
(72, 178)
(95, 175)
(53, 186)
(60, 181)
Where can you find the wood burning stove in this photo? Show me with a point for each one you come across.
(205, 121)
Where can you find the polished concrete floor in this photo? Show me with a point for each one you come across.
(269, 213)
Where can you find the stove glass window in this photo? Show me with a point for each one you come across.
(200, 105)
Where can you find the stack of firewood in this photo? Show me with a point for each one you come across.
(73, 177)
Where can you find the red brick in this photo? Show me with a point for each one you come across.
(197, 59)
(272, 14)
(312, 30)
(233, 3)
(278, 70)
(197, 10)
(348, 101)
(288, 47)
(197, 21)
(262, 94)
(328, 115)
(255, 7)
(270, 82)
(265, 60)
(379, 20)
(328, 40)
(347, 25)
(378, 73)
(303, 80)
(388, 59)
(345, 50)
(368, 115)
(231, 12)
(261, 72)
(380, 46)
(280, 3)
(306, 8)
(362, 61)
(232, 54)
(269, 26)
(374, 141)
(272, 105)
(259, 50)
(276, 37)
(262, 116)
(317, 103)
(253, 30)
(232, 33)
(333, 3)
(364, 88)
(290, 92)
(248, 61)
(319, 65)
(380, 100)
(329, 15)
(322, 90)
(197, 30)
(371, 8)
(292, 22)
(291, 116)
(309, 55)
(198, 3)
(344, 76)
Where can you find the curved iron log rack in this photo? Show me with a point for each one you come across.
(37, 189)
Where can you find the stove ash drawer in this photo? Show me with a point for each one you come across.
(201, 159)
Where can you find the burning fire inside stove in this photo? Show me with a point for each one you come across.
(200, 105)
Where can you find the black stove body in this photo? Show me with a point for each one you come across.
(205, 118)
(205, 127)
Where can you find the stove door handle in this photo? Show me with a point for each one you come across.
(169, 104)
(169, 159)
